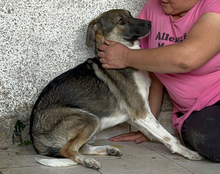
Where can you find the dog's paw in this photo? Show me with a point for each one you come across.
(185, 152)
(194, 156)
(112, 151)
(92, 163)
(190, 154)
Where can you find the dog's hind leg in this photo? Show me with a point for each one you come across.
(87, 149)
(70, 150)
(85, 130)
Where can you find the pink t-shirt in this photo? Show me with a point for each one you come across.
(190, 91)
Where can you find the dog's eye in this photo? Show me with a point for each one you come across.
(121, 22)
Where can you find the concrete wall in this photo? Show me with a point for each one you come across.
(39, 39)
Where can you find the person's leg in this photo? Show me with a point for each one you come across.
(201, 132)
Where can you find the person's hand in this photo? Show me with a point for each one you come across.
(137, 137)
(113, 55)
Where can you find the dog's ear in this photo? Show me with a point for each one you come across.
(94, 33)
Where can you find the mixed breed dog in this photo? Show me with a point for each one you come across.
(87, 99)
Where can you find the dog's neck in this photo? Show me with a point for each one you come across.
(134, 45)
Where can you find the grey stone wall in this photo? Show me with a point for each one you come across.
(39, 39)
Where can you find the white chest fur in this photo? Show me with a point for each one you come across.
(136, 45)
(143, 82)
(113, 120)
(142, 79)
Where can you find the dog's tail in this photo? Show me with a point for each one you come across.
(55, 162)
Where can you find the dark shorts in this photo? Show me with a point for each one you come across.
(201, 132)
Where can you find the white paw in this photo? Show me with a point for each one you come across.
(112, 151)
(92, 163)
(186, 152)
(194, 156)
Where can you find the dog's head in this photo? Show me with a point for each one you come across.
(116, 25)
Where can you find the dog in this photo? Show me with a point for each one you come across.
(87, 99)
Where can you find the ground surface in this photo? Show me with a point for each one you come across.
(145, 158)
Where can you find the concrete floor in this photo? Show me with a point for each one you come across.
(145, 158)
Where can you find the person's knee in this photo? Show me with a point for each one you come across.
(207, 145)
(201, 132)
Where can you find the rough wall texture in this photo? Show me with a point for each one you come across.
(39, 40)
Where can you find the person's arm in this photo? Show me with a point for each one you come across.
(155, 95)
(155, 100)
(201, 44)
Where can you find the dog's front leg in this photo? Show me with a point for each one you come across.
(151, 127)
